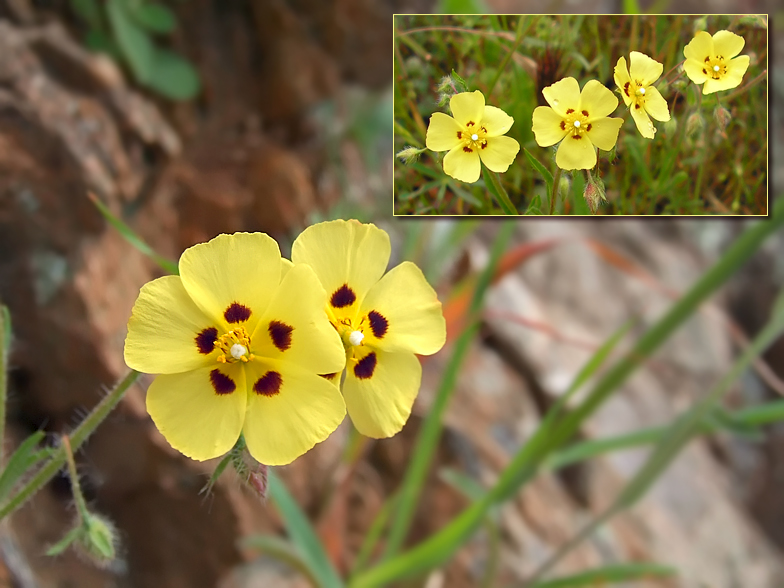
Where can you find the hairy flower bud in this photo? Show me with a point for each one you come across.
(594, 193)
(694, 124)
(722, 117)
(409, 155)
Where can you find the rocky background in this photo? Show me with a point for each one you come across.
(293, 125)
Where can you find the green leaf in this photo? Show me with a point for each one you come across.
(548, 177)
(89, 11)
(128, 233)
(21, 461)
(463, 483)
(609, 574)
(65, 542)
(493, 183)
(135, 45)
(284, 551)
(156, 18)
(631, 7)
(173, 76)
(302, 534)
(461, 7)
(535, 207)
(99, 42)
(461, 83)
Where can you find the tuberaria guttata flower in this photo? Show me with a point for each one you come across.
(238, 340)
(638, 93)
(383, 320)
(713, 61)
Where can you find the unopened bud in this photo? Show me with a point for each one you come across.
(594, 193)
(409, 155)
(94, 538)
(694, 124)
(679, 84)
(443, 99)
(722, 116)
(250, 471)
(445, 85)
(670, 127)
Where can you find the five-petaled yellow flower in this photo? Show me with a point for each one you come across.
(238, 339)
(383, 320)
(476, 132)
(710, 60)
(636, 85)
(579, 120)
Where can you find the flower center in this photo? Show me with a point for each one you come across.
(576, 123)
(355, 338)
(473, 137)
(715, 67)
(235, 346)
(642, 91)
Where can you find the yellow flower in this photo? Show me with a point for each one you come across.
(579, 120)
(476, 132)
(383, 320)
(709, 60)
(638, 92)
(238, 340)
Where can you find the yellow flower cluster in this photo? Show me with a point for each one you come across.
(246, 342)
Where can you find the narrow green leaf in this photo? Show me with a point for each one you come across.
(461, 83)
(493, 183)
(463, 483)
(167, 265)
(607, 575)
(134, 43)
(173, 76)
(65, 542)
(20, 462)
(302, 534)
(546, 175)
(284, 551)
(156, 18)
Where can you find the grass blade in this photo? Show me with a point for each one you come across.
(607, 575)
(21, 461)
(284, 551)
(302, 534)
(548, 177)
(493, 183)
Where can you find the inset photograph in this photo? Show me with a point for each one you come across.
(581, 115)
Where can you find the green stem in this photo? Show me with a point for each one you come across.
(81, 505)
(79, 436)
(500, 193)
(556, 183)
(518, 39)
(430, 433)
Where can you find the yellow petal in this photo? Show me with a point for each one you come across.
(499, 153)
(347, 256)
(622, 78)
(547, 126)
(442, 132)
(643, 122)
(496, 121)
(468, 107)
(241, 269)
(164, 328)
(576, 153)
(562, 95)
(695, 70)
(285, 266)
(462, 165)
(195, 419)
(700, 47)
(410, 312)
(732, 79)
(604, 133)
(727, 44)
(597, 100)
(656, 105)
(295, 328)
(379, 405)
(644, 68)
(289, 411)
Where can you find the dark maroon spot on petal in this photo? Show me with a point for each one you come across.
(330, 377)
(637, 106)
(269, 384)
(626, 88)
(365, 367)
(585, 113)
(468, 150)
(569, 110)
(484, 129)
(484, 144)
(707, 59)
(378, 323)
(236, 313)
(588, 128)
(280, 333)
(205, 340)
(459, 134)
(563, 125)
(576, 137)
(704, 71)
(470, 123)
(221, 383)
(343, 296)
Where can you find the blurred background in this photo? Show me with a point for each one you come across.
(215, 116)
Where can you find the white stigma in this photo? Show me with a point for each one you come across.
(642, 91)
(356, 336)
(474, 137)
(715, 68)
(577, 124)
(238, 350)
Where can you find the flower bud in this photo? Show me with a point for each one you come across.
(594, 193)
(722, 117)
(694, 124)
(99, 542)
(446, 85)
(679, 85)
(409, 155)
(670, 127)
